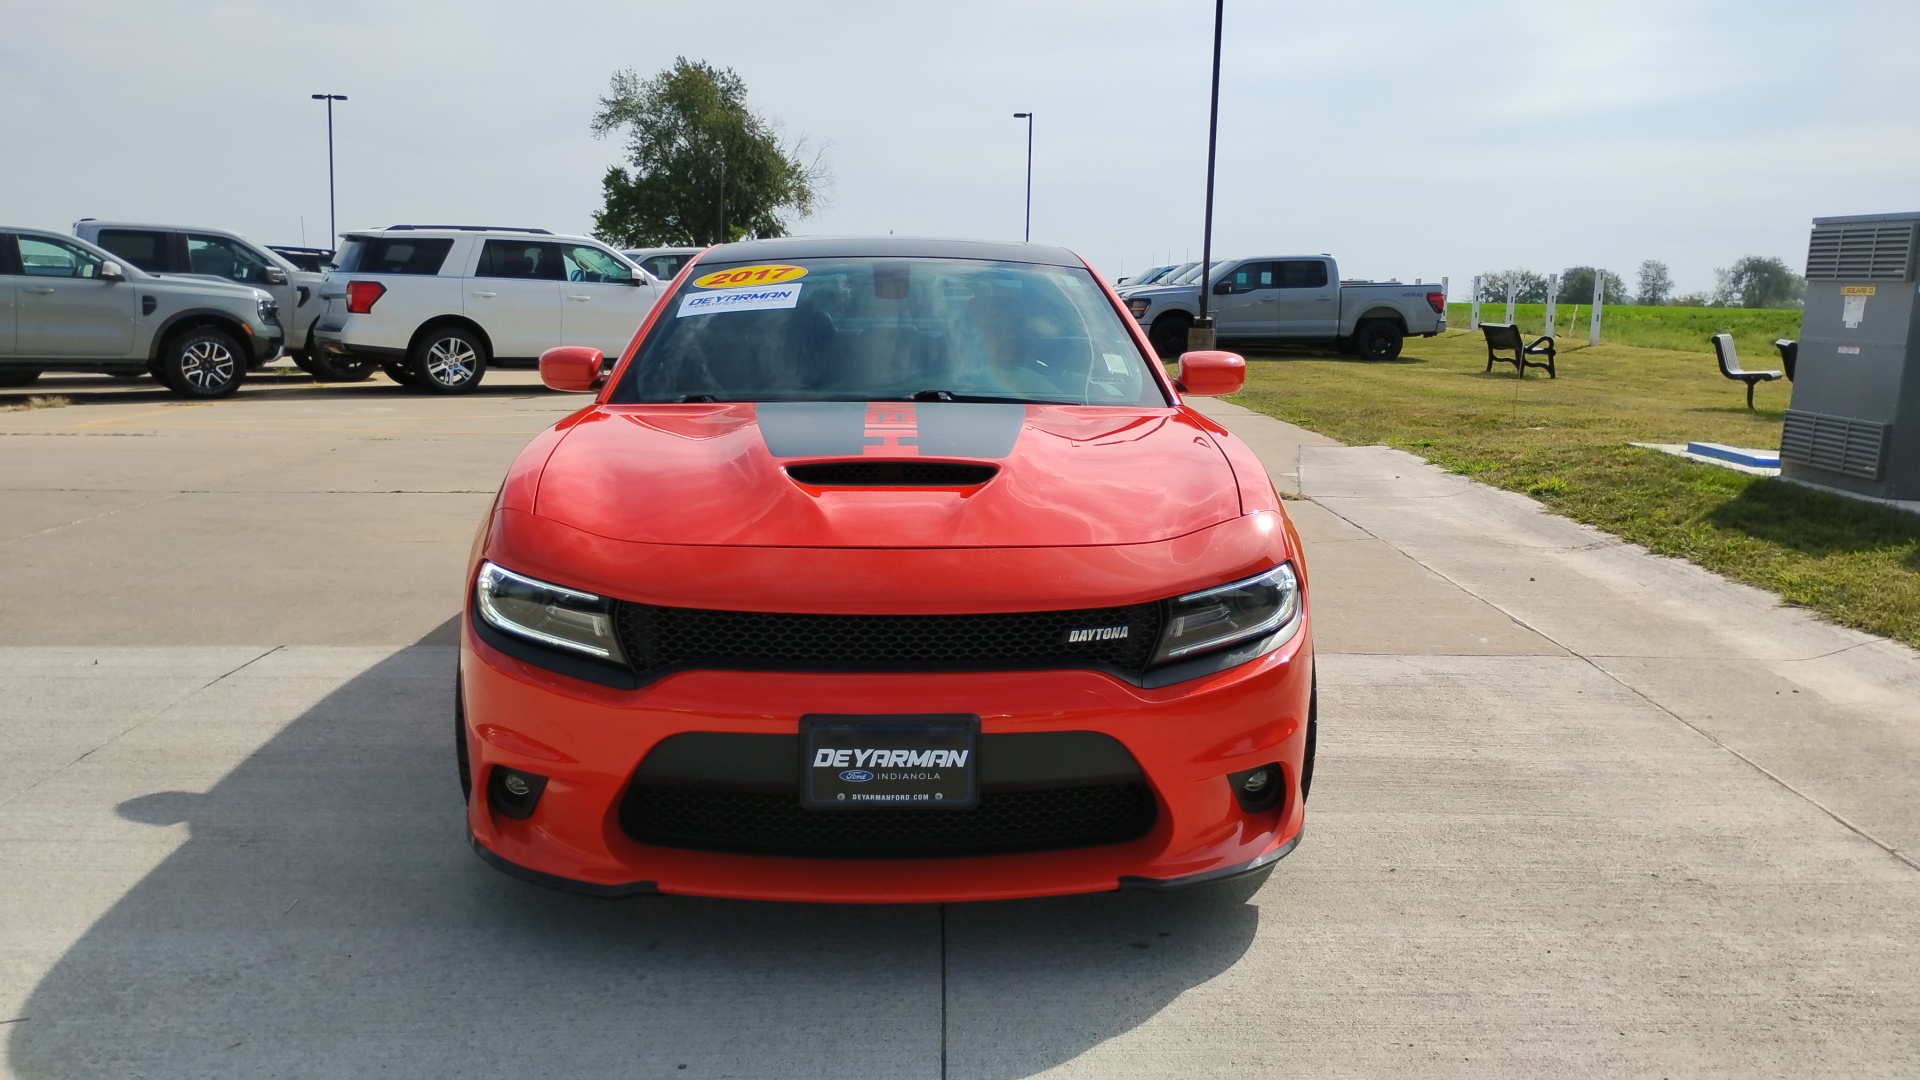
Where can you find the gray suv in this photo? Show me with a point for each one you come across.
(66, 305)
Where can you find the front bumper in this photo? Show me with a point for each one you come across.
(263, 343)
(588, 740)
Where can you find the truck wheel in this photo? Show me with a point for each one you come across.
(337, 369)
(17, 378)
(1169, 334)
(449, 360)
(400, 371)
(202, 362)
(1377, 339)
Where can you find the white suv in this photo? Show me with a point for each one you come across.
(434, 305)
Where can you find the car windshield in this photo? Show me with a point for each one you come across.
(1192, 274)
(889, 329)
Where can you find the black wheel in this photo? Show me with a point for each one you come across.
(1377, 339)
(202, 362)
(399, 371)
(460, 741)
(338, 368)
(303, 359)
(1169, 334)
(449, 360)
(17, 378)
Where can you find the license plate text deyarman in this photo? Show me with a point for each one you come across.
(827, 757)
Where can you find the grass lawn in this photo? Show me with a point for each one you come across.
(1682, 329)
(1565, 442)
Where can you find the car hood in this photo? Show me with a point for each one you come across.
(207, 283)
(717, 475)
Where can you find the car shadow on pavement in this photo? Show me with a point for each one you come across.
(81, 390)
(324, 917)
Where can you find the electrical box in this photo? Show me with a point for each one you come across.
(1854, 423)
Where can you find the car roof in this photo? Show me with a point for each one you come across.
(899, 247)
(103, 223)
(448, 231)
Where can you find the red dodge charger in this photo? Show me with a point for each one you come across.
(886, 570)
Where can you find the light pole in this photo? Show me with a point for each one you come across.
(333, 223)
(1201, 335)
(1028, 117)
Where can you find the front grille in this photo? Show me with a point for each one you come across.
(1004, 822)
(892, 474)
(660, 638)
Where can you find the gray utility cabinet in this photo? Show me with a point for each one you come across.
(1855, 419)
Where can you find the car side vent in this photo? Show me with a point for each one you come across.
(1835, 443)
(1864, 252)
(892, 474)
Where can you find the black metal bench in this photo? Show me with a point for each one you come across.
(1730, 366)
(1789, 351)
(1505, 337)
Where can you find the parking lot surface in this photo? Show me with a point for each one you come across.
(1578, 810)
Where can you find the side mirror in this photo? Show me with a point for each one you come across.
(1209, 373)
(1222, 288)
(273, 275)
(111, 271)
(572, 368)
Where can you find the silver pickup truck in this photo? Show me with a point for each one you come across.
(1293, 298)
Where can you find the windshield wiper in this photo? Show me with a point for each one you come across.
(948, 395)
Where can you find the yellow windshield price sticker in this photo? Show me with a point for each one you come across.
(743, 277)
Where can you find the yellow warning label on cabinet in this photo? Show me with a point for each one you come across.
(1856, 290)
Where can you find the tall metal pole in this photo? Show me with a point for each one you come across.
(1028, 117)
(1204, 325)
(333, 222)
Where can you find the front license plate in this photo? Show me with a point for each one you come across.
(923, 760)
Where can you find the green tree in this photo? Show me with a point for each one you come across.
(701, 167)
(1576, 286)
(1528, 287)
(1656, 285)
(1756, 281)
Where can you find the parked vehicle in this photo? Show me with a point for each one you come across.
(1295, 298)
(227, 256)
(1145, 277)
(886, 570)
(66, 305)
(435, 305)
(312, 260)
(662, 262)
(1166, 278)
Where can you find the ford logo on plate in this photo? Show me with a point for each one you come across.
(856, 776)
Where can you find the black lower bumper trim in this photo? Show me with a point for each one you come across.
(1252, 866)
(554, 881)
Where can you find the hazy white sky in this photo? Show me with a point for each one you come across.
(1413, 139)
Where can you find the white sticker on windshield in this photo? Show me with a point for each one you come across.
(1116, 363)
(768, 299)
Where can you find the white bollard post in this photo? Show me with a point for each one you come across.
(1473, 320)
(1599, 295)
(1553, 298)
(1510, 285)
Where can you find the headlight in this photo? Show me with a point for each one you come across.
(563, 618)
(1139, 305)
(269, 311)
(1218, 617)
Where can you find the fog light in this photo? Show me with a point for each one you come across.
(512, 793)
(1258, 790)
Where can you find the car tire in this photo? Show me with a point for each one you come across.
(400, 371)
(202, 362)
(17, 378)
(449, 360)
(1377, 339)
(1169, 334)
(339, 369)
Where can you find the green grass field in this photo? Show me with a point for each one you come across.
(1673, 328)
(1566, 442)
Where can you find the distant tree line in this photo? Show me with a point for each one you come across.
(1754, 281)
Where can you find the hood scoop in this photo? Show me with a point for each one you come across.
(892, 474)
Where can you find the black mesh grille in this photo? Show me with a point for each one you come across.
(891, 474)
(662, 637)
(762, 823)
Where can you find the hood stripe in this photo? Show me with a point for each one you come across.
(889, 429)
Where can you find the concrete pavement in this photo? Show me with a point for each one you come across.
(1578, 809)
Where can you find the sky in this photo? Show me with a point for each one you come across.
(1417, 140)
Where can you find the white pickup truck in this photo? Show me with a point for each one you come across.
(1293, 298)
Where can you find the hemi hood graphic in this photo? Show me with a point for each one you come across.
(715, 475)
